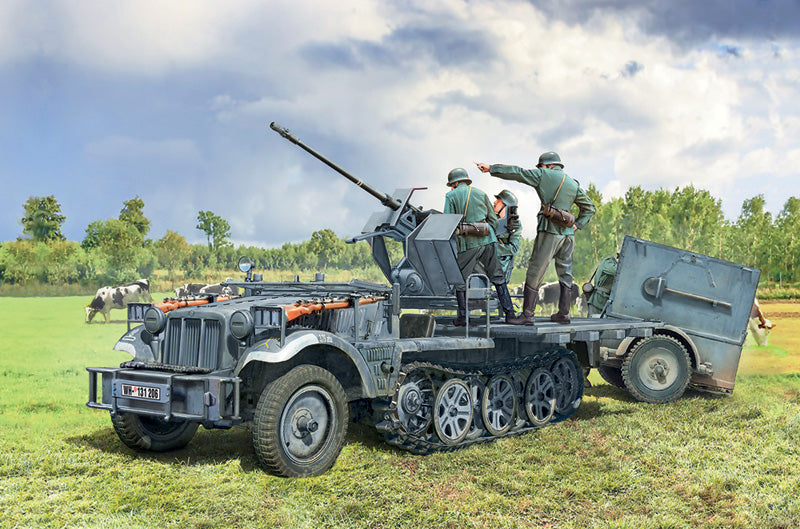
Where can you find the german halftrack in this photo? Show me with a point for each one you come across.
(299, 360)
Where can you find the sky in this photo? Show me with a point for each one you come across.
(104, 100)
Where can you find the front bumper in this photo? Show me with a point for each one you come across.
(208, 399)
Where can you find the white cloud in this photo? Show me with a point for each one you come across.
(375, 86)
(176, 150)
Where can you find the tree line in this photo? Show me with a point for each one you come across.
(118, 249)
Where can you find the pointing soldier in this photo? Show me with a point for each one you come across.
(555, 230)
(476, 251)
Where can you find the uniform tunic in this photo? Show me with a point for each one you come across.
(552, 241)
(475, 254)
(508, 245)
(479, 209)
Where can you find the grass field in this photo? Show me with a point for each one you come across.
(704, 461)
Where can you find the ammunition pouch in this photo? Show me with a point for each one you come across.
(558, 216)
(474, 229)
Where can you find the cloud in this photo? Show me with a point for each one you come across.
(123, 149)
(175, 100)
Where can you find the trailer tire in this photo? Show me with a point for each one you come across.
(612, 375)
(142, 432)
(657, 369)
(300, 423)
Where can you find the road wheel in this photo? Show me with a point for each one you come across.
(568, 377)
(142, 432)
(300, 423)
(657, 370)
(452, 411)
(612, 375)
(540, 397)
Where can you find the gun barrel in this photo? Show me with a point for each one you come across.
(385, 198)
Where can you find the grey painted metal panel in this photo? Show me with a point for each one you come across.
(709, 299)
(687, 277)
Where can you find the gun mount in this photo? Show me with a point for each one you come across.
(429, 267)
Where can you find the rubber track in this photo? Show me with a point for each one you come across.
(395, 434)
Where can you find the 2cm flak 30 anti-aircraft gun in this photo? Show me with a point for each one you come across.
(299, 360)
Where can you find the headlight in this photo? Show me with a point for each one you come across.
(241, 324)
(154, 320)
(245, 264)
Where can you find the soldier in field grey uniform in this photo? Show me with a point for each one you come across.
(552, 240)
(476, 253)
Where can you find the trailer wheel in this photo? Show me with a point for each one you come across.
(300, 423)
(657, 370)
(612, 375)
(142, 432)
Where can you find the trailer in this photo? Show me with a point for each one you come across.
(699, 307)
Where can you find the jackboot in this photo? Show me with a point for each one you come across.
(529, 299)
(461, 314)
(564, 301)
(504, 298)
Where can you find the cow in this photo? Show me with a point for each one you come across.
(548, 297)
(192, 289)
(550, 292)
(759, 326)
(189, 289)
(118, 297)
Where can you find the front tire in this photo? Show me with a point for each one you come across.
(657, 370)
(142, 432)
(300, 423)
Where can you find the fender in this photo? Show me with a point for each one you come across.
(271, 352)
(131, 342)
(625, 345)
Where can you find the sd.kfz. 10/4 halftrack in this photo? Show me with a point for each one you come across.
(301, 359)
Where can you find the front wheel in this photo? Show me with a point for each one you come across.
(300, 423)
(142, 432)
(657, 370)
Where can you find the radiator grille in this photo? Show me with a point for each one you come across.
(192, 342)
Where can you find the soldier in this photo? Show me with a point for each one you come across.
(508, 241)
(553, 240)
(476, 253)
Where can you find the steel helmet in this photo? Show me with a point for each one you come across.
(550, 158)
(508, 198)
(458, 175)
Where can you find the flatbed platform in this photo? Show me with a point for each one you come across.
(544, 330)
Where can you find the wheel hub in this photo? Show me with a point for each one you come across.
(659, 371)
(412, 400)
(305, 425)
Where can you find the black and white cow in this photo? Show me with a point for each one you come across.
(549, 294)
(192, 289)
(118, 297)
(189, 289)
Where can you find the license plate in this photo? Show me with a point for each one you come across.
(141, 392)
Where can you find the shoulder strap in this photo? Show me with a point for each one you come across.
(467, 206)
(559, 187)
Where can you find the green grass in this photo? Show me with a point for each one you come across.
(705, 461)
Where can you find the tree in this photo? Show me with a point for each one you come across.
(216, 228)
(171, 250)
(327, 247)
(788, 223)
(92, 239)
(43, 219)
(120, 245)
(133, 215)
